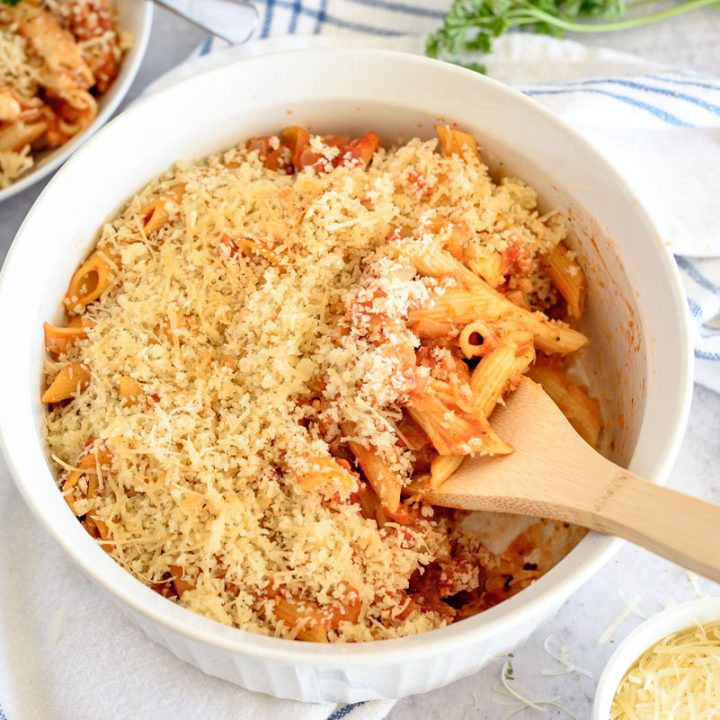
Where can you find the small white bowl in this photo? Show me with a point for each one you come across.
(134, 17)
(675, 618)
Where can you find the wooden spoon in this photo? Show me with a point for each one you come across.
(554, 473)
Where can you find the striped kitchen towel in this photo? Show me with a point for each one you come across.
(658, 125)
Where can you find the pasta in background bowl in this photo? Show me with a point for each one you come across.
(634, 317)
(66, 67)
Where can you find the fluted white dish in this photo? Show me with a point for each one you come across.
(134, 17)
(640, 365)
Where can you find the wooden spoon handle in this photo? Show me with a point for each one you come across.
(679, 527)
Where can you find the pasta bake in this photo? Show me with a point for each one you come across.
(272, 353)
(56, 58)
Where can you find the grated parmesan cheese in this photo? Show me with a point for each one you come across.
(677, 678)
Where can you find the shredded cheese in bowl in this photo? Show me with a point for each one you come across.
(678, 678)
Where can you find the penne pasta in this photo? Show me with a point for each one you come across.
(359, 153)
(489, 381)
(568, 277)
(156, 214)
(89, 465)
(15, 137)
(442, 467)
(130, 389)
(454, 427)
(90, 281)
(551, 336)
(573, 399)
(248, 248)
(98, 529)
(453, 236)
(59, 340)
(67, 384)
(511, 357)
(472, 339)
(459, 306)
(327, 474)
(384, 482)
(489, 266)
(302, 617)
(455, 142)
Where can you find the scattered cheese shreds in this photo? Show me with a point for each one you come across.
(694, 581)
(473, 709)
(632, 605)
(678, 679)
(568, 667)
(509, 691)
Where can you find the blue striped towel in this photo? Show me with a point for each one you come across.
(658, 125)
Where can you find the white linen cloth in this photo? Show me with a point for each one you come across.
(66, 652)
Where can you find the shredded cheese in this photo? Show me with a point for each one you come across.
(694, 581)
(632, 605)
(677, 678)
(508, 691)
(567, 666)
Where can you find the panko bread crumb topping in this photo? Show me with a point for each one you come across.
(273, 350)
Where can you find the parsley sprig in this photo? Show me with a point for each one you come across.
(471, 25)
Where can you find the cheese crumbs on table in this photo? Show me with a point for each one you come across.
(272, 351)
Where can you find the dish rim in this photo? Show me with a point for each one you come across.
(116, 94)
(514, 612)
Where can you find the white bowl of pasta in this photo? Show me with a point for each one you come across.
(67, 65)
(260, 357)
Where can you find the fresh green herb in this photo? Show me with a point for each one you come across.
(9, 2)
(471, 25)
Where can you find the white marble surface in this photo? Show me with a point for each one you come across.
(692, 42)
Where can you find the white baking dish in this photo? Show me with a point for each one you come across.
(639, 366)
